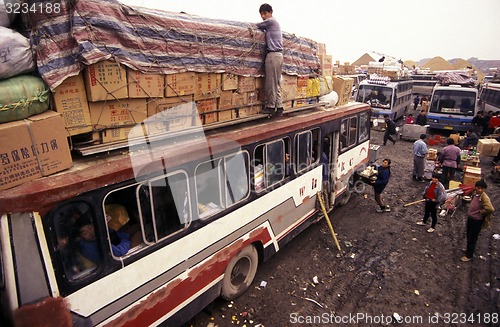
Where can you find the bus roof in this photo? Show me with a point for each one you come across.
(90, 173)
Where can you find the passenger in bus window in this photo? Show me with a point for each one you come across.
(120, 241)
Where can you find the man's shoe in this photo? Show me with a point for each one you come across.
(387, 208)
(430, 230)
(420, 223)
(279, 112)
(267, 111)
(465, 258)
(380, 209)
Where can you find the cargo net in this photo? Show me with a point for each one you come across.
(452, 78)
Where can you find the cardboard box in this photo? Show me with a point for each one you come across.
(142, 85)
(259, 83)
(70, 99)
(208, 86)
(432, 154)
(229, 82)
(471, 175)
(288, 87)
(313, 87)
(118, 112)
(180, 84)
(105, 81)
(240, 99)
(170, 114)
(207, 109)
(32, 148)
(326, 64)
(226, 100)
(248, 111)
(343, 87)
(254, 97)
(488, 147)
(246, 84)
(227, 114)
(302, 86)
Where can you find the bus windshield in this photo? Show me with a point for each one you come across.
(453, 102)
(375, 95)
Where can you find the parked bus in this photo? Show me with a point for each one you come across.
(385, 96)
(489, 99)
(153, 235)
(452, 107)
(423, 84)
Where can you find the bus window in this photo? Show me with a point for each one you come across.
(236, 179)
(75, 242)
(364, 127)
(304, 150)
(122, 217)
(275, 162)
(344, 136)
(164, 205)
(208, 188)
(353, 130)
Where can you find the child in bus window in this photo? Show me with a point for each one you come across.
(120, 241)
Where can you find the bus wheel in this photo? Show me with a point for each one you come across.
(239, 273)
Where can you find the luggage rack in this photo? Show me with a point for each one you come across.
(86, 149)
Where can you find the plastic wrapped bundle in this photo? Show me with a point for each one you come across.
(16, 58)
(22, 97)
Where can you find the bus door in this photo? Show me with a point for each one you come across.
(330, 146)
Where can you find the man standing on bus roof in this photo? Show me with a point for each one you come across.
(274, 60)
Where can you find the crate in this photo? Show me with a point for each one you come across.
(471, 175)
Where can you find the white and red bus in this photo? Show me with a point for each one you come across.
(199, 214)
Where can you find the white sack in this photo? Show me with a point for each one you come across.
(15, 54)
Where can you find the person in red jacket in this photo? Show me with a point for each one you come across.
(494, 122)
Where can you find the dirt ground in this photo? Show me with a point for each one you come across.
(387, 265)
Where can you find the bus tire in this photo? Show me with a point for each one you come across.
(239, 273)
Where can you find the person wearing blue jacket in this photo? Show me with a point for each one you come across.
(383, 175)
(434, 195)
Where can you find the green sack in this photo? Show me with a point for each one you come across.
(23, 96)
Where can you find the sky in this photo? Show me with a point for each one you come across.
(403, 29)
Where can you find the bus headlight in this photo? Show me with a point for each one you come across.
(466, 123)
(432, 120)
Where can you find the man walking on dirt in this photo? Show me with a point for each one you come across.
(390, 129)
(479, 215)
(274, 60)
(419, 152)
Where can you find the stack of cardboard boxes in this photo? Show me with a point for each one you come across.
(33, 147)
(109, 100)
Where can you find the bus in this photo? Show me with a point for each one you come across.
(452, 107)
(423, 84)
(386, 96)
(489, 98)
(152, 235)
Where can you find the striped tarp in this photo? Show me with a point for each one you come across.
(154, 41)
